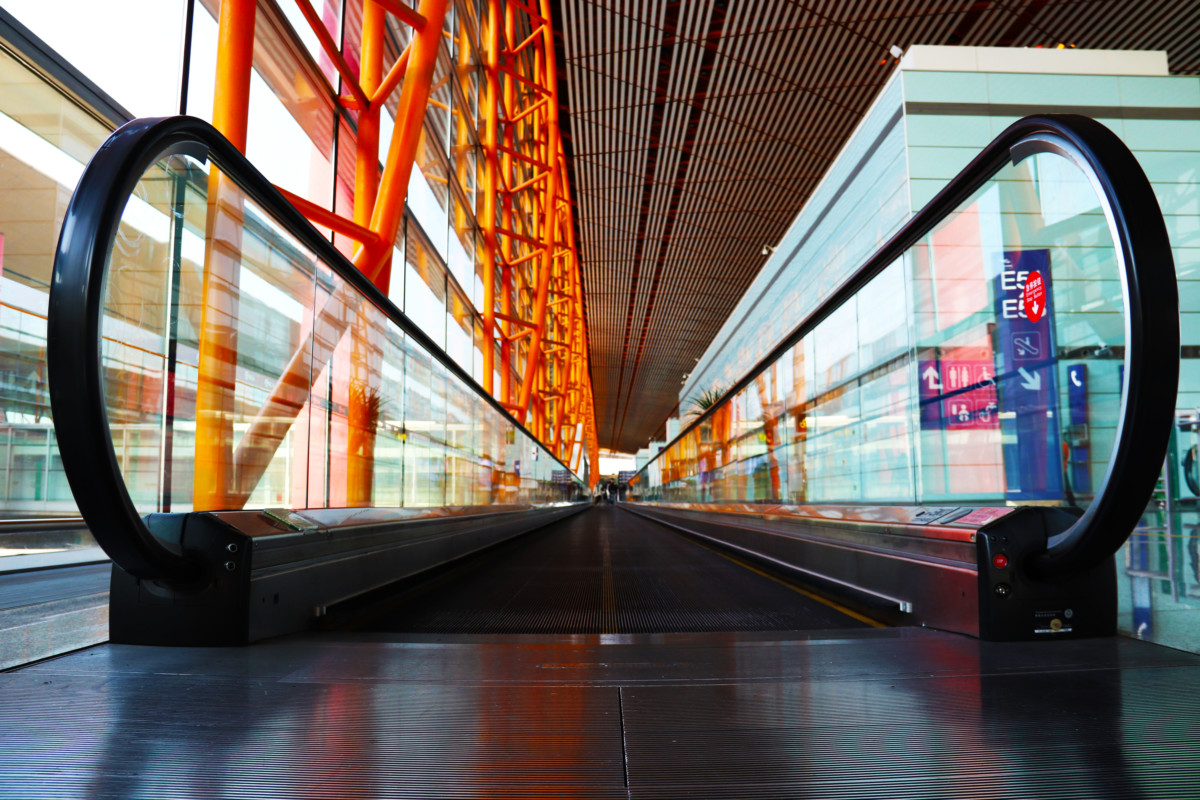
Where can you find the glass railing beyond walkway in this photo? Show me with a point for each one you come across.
(1015, 344)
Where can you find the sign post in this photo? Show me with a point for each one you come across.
(1077, 434)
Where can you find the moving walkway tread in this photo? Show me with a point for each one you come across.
(602, 571)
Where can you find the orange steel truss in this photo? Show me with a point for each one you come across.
(533, 306)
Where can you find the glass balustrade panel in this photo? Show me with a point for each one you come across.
(241, 371)
(984, 365)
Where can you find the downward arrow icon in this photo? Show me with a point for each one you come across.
(1031, 382)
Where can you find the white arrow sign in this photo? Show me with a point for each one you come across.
(1034, 308)
(1031, 382)
(930, 374)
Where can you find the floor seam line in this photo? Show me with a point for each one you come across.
(624, 743)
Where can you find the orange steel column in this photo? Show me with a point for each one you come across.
(366, 172)
(362, 404)
(213, 475)
(770, 419)
(505, 102)
(566, 364)
(490, 190)
(235, 61)
(578, 370)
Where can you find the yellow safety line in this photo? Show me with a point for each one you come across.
(810, 595)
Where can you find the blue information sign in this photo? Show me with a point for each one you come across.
(1027, 387)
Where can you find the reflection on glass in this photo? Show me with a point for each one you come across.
(984, 365)
(43, 146)
(42, 155)
(241, 371)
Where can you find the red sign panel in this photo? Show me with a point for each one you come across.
(972, 389)
(1033, 298)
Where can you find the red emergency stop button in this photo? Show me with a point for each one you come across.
(1000, 560)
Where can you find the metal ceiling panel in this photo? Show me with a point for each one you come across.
(698, 129)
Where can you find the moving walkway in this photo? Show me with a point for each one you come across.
(581, 650)
(341, 449)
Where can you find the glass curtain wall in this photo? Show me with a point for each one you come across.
(324, 401)
(304, 141)
(983, 366)
(45, 139)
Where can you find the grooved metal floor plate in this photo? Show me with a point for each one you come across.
(869, 713)
(599, 710)
(1014, 736)
(604, 571)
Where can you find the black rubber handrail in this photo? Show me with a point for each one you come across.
(76, 307)
(1152, 319)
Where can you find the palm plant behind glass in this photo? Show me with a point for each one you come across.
(707, 399)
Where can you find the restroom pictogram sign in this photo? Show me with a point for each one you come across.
(1033, 299)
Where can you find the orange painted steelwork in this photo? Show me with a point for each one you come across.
(379, 200)
(388, 207)
(525, 216)
(528, 229)
(487, 216)
(378, 216)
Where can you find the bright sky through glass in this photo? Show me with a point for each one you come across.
(611, 465)
(130, 48)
